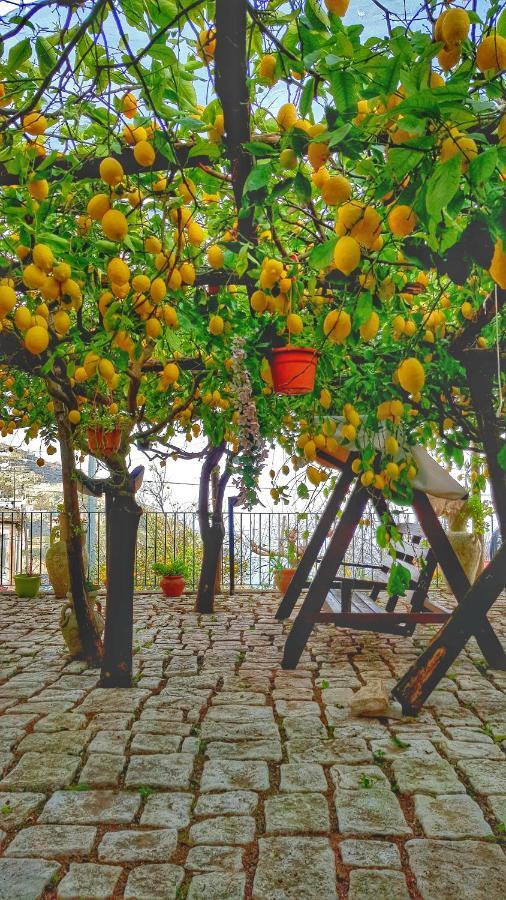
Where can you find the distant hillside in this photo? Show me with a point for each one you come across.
(23, 480)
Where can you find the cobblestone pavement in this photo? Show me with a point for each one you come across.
(221, 776)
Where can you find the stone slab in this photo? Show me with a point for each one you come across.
(302, 777)
(138, 846)
(42, 771)
(236, 803)
(16, 808)
(454, 816)
(102, 770)
(486, 776)
(49, 841)
(366, 884)
(297, 812)
(26, 879)
(89, 881)
(172, 770)
(290, 868)
(217, 886)
(154, 882)
(227, 830)
(171, 810)
(91, 807)
(220, 775)
(214, 859)
(457, 870)
(378, 854)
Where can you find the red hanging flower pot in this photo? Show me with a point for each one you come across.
(103, 442)
(293, 369)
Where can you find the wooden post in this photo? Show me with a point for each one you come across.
(315, 543)
(322, 582)
(420, 680)
(487, 639)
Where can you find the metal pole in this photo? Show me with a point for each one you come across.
(231, 543)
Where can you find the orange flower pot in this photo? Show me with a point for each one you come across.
(104, 442)
(283, 578)
(293, 369)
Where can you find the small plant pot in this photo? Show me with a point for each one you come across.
(283, 578)
(27, 586)
(293, 369)
(172, 585)
(104, 442)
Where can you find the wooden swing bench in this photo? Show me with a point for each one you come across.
(353, 603)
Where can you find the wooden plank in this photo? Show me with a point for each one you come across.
(432, 665)
(443, 551)
(333, 557)
(356, 619)
(315, 543)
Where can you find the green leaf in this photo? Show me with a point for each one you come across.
(501, 24)
(344, 91)
(282, 187)
(302, 187)
(46, 55)
(306, 98)
(316, 15)
(363, 309)
(399, 580)
(258, 178)
(482, 166)
(302, 491)
(259, 148)
(321, 255)
(19, 54)
(401, 161)
(442, 185)
(501, 457)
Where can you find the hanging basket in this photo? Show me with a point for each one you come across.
(293, 369)
(105, 443)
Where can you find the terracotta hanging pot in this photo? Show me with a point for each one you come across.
(104, 442)
(293, 369)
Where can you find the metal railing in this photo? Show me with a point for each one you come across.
(253, 540)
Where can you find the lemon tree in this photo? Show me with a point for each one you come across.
(187, 186)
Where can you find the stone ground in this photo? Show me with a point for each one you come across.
(220, 776)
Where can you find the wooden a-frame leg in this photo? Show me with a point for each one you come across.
(467, 619)
(486, 637)
(315, 543)
(322, 582)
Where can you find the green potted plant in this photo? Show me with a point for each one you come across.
(173, 576)
(27, 584)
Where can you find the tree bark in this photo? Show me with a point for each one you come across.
(212, 530)
(232, 90)
(480, 377)
(122, 523)
(88, 632)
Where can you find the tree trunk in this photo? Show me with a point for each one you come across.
(122, 523)
(88, 633)
(213, 544)
(480, 378)
(212, 529)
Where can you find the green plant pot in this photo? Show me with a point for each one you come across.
(27, 586)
